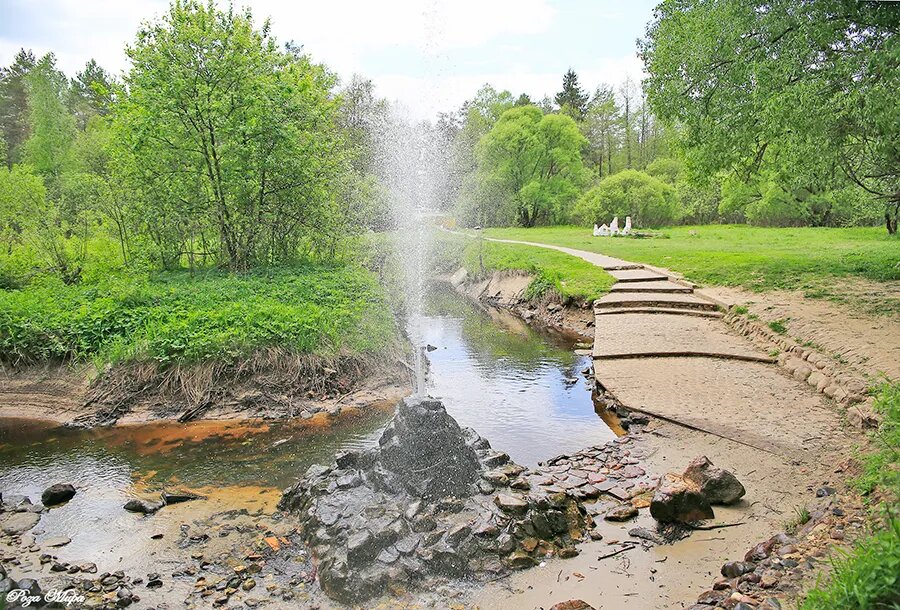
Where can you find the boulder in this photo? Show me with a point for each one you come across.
(572, 604)
(177, 497)
(143, 506)
(677, 500)
(717, 484)
(57, 494)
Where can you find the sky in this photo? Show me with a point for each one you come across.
(430, 55)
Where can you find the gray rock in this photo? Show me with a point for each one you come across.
(176, 497)
(57, 494)
(718, 485)
(142, 506)
(621, 512)
(510, 503)
(18, 523)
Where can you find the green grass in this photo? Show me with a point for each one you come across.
(756, 258)
(868, 577)
(570, 277)
(178, 317)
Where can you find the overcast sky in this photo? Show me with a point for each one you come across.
(431, 55)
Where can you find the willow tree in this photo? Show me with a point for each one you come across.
(234, 139)
(807, 89)
(531, 162)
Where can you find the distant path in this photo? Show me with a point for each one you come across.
(661, 349)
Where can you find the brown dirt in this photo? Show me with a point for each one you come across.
(268, 386)
(867, 342)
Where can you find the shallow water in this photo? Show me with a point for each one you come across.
(522, 390)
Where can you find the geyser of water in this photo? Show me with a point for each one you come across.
(411, 166)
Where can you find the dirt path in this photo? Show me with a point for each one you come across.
(663, 349)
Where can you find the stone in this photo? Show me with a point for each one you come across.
(142, 506)
(862, 416)
(733, 569)
(572, 604)
(176, 497)
(519, 560)
(58, 494)
(511, 503)
(621, 512)
(56, 541)
(676, 500)
(718, 485)
(18, 523)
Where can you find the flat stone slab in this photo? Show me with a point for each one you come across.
(657, 334)
(654, 286)
(18, 523)
(636, 275)
(703, 313)
(630, 299)
(747, 402)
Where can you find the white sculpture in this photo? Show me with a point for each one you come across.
(614, 226)
(627, 228)
(601, 231)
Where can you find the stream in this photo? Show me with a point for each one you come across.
(521, 389)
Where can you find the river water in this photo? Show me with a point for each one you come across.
(521, 389)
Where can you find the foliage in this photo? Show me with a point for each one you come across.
(14, 104)
(532, 162)
(802, 89)
(178, 317)
(865, 578)
(649, 202)
(881, 466)
(237, 137)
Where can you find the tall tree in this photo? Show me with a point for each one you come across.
(52, 127)
(601, 127)
(807, 89)
(14, 123)
(627, 93)
(533, 161)
(572, 99)
(239, 136)
(92, 93)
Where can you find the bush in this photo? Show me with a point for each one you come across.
(649, 201)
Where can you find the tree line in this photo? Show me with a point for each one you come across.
(219, 146)
(777, 114)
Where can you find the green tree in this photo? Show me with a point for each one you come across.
(92, 93)
(533, 161)
(239, 138)
(601, 127)
(52, 128)
(572, 99)
(14, 120)
(649, 202)
(807, 89)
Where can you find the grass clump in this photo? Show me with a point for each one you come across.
(554, 272)
(184, 318)
(778, 326)
(868, 576)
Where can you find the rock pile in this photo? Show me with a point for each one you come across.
(687, 497)
(432, 500)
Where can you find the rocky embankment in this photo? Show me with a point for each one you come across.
(432, 501)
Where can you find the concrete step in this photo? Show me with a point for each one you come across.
(663, 286)
(674, 301)
(637, 275)
(658, 310)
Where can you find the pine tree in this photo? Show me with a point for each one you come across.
(572, 100)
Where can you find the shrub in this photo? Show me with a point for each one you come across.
(649, 201)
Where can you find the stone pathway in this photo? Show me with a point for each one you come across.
(660, 349)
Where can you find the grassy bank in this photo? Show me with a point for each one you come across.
(554, 272)
(756, 258)
(183, 318)
(868, 577)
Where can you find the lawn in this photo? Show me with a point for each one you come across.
(179, 317)
(755, 258)
(570, 277)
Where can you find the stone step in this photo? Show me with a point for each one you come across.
(675, 301)
(663, 286)
(658, 310)
(728, 355)
(636, 275)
